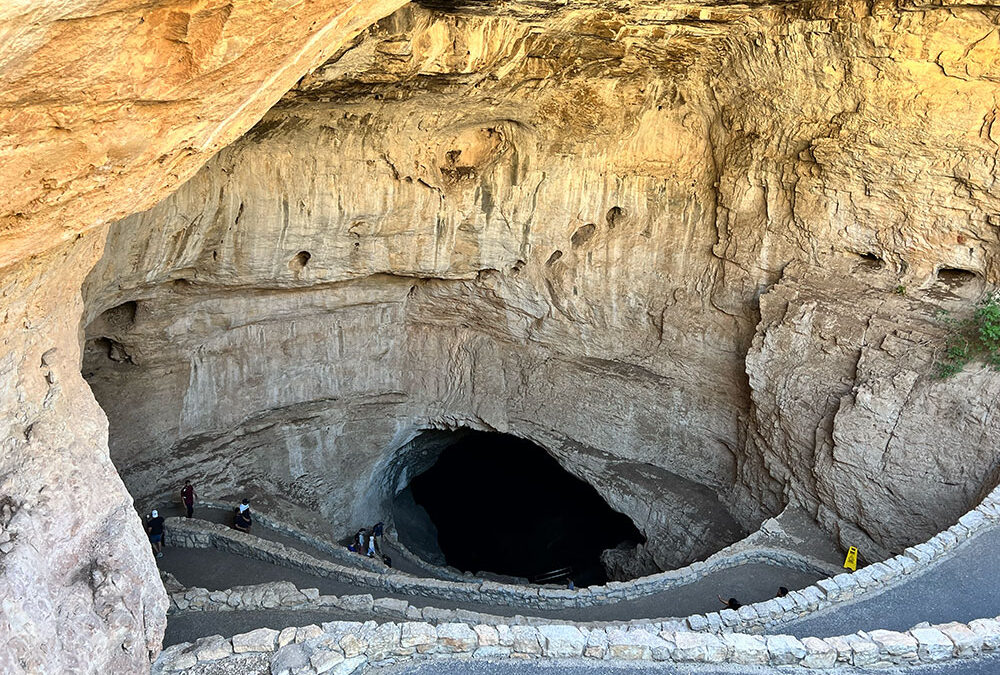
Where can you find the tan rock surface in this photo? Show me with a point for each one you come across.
(106, 106)
(78, 588)
(564, 223)
(559, 225)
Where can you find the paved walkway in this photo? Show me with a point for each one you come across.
(983, 666)
(217, 570)
(400, 562)
(964, 587)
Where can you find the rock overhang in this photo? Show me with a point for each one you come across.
(836, 166)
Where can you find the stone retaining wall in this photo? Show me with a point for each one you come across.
(347, 647)
(751, 619)
(722, 637)
(729, 556)
(193, 533)
(336, 551)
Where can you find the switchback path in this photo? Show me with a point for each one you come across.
(981, 666)
(400, 562)
(965, 586)
(216, 570)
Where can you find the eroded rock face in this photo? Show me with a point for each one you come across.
(104, 108)
(561, 223)
(566, 226)
(78, 587)
(879, 450)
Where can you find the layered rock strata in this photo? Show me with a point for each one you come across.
(105, 107)
(567, 226)
(564, 223)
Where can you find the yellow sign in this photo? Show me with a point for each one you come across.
(852, 559)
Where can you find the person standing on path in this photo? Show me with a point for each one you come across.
(371, 546)
(377, 531)
(361, 539)
(154, 528)
(187, 496)
(242, 522)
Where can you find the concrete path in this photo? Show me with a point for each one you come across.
(964, 587)
(983, 666)
(258, 664)
(400, 562)
(216, 570)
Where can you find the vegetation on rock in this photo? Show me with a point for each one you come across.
(974, 338)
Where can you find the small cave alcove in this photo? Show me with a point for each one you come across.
(500, 504)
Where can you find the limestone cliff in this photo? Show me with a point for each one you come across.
(105, 107)
(565, 225)
(663, 240)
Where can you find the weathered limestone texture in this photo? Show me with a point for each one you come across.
(106, 106)
(567, 225)
(695, 251)
(882, 451)
(78, 589)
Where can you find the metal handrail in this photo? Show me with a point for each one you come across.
(552, 576)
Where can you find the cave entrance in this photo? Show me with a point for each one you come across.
(501, 504)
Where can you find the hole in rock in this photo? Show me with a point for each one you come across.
(615, 215)
(454, 5)
(107, 348)
(583, 234)
(120, 318)
(300, 260)
(554, 257)
(955, 275)
(872, 260)
(501, 504)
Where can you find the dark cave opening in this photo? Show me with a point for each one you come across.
(501, 504)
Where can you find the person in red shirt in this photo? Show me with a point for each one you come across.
(187, 495)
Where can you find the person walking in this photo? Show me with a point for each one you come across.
(187, 496)
(371, 546)
(377, 531)
(731, 603)
(154, 528)
(361, 539)
(243, 521)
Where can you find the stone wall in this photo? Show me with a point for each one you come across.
(587, 200)
(351, 646)
(723, 637)
(751, 618)
(185, 533)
